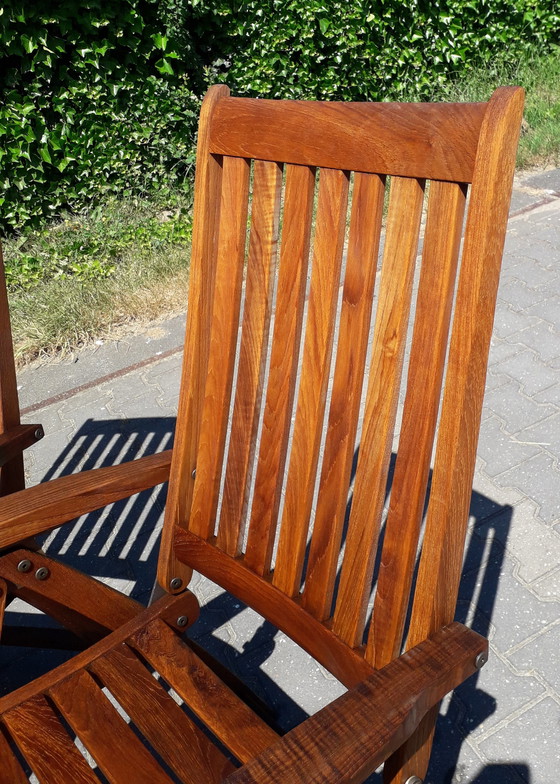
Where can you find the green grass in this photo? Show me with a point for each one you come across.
(540, 76)
(90, 275)
(126, 262)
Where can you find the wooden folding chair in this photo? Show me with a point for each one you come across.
(289, 411)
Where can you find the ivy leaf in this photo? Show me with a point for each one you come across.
(164, 66)
(324, 24)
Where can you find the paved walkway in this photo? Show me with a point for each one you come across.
(116, 400)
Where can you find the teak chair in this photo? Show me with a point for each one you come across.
(279, 473)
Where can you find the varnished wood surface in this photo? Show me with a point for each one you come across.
(3, 598)
(11, 475)
(11, 771)
(16, 440)
(46, 506)
(436, 141)
(347, 740)
(347, 664)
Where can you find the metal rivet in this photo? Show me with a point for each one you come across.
(42, 573)
(481, 660)
(182, 620)
(39, 433)
(413, 780)
(193, 473)
(24, 566)
(175, 583)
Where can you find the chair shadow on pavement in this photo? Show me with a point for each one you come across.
(120, 545)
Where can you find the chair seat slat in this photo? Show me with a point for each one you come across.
(105, 733)
(11, 771)
(237, 727)
(171, 733)
(45, 743)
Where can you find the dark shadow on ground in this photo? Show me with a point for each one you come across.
(121, 544)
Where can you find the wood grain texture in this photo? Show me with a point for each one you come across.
(3, 599)
(391, 325)
(13, 442)
(361, 266)
(346, 664)
(292, 278)
(237, 727)
(412, 140)
(11, 771)
(230, 257)
(346, 741)
(43, 507)
(104, 732)
(85, 658)
(263, 244)
(206, 217)
(11, 474)
(319, 331)
(441, 561)
(184, 747)
(425, 372)
(45, 743)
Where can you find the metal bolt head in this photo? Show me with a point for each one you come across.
(481, 660)
(182, 620)
(413, 780)
(39, 433)
(175, 583)
(42, 573)
(24, 566)
(193, 473)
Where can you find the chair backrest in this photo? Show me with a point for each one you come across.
(281, 465)
(11, 471)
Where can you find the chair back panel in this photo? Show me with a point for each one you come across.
(304, 369)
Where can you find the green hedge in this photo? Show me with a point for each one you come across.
(354, 50)
(94, 102)
(102, 97)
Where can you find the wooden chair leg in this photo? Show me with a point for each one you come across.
(413, 757)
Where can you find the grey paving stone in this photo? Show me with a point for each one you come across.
(542, 656)
(501, 350)
(547, 310)
(530, 739)
(485, 700)
(518, 295)
(499, 450)
(538, 478)
(508, 321)
(516, 409)
(543, 339)
(505, 610)
(549, 395)
(549, 180)
(546, 433)
(547, 588)
(527, 368)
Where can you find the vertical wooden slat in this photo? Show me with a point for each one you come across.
(263, 241)
(11, 474)
(439, 573)
(185, 748)
(361, 266)
(223, 340)
(104, 733)
(11, 771)
(440, 253)
(206, 216)
(325, 279)
(3, 598)
(292, 279)
(45, 744)
(391, 324)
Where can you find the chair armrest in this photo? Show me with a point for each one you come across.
(16, 439)
(40, 508)
(347, 740)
